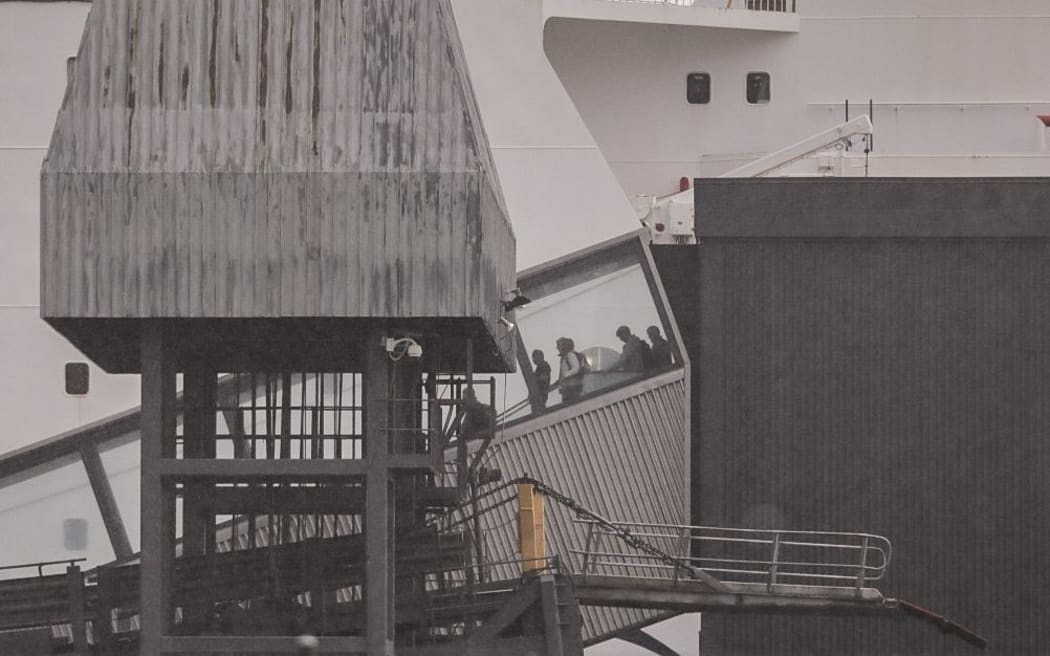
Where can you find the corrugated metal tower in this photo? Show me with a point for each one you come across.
(297, 193)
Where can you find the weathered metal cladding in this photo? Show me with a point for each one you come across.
(272, 158)
(623, 455)
(268, 245)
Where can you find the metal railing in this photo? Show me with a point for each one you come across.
(39, 566)
(786, 6)
(739, 555)
(455, 581)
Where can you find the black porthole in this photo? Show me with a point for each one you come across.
(758, 88)
(698, 88)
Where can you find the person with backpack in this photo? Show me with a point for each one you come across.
(571, 370)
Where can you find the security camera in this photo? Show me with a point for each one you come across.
(400, 347)
(514, 299)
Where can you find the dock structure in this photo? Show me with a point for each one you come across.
(292, 206)
(300, 194)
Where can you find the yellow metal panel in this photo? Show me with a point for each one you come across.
(531, 535)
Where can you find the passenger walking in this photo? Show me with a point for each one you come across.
(570, 372)
(635, 351)
(660, 353)
(542, 375)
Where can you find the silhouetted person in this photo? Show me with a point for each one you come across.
(478, 420)
(542, 375)
(570, 371)
(635, 351)
(660, 352)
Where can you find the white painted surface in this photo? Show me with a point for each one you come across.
(35, 40)
(32, 513)
(34, 404)
(561, 195)
(946, 77)
(20, 221)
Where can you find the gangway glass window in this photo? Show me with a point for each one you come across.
(758, 92)
(698, 88)
(602, 300)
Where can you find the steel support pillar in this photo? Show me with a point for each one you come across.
(379, 563)
(157, 497)
(193, 421)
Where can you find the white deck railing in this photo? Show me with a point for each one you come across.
(746, 5)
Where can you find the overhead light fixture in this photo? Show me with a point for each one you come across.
(514, 299)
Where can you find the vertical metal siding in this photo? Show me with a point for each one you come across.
(896, 386)
(272, 158)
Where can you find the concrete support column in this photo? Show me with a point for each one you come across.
(158, 498)
(379, 562)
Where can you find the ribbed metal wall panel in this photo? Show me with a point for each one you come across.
(272, 158)
(284, 245)
(897, 386)
(623, 455)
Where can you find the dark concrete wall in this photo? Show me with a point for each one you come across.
(894, 383)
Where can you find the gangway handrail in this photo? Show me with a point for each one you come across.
(70, 562)
(837, 559)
